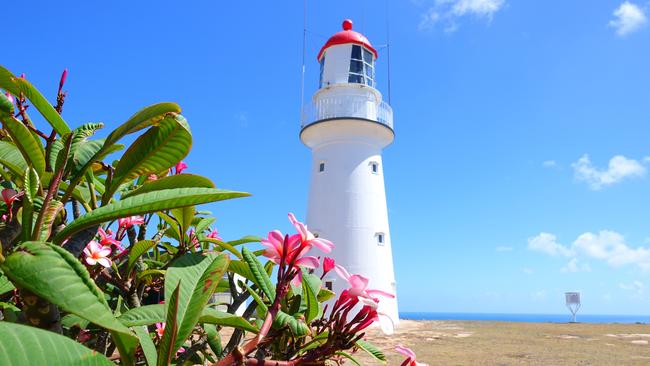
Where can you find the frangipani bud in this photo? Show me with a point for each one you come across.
(62, 81)
(328, 264)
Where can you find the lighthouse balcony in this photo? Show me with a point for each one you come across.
(347, 107)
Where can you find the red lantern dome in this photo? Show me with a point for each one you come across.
(346, 36)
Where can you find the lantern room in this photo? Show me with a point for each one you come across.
(347, 57)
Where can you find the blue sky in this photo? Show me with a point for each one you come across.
(519, 168)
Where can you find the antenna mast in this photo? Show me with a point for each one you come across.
(388, 47)
(302, 76)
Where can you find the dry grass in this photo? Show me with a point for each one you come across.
(501, 343)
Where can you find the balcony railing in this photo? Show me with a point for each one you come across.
(347, 106)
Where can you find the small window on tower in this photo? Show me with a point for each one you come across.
(321, 167)
(322, 66)
(380, 238)
(329, 285)
(374, 167)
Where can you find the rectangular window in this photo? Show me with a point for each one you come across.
(354, 78)
(374, 167)
(356, 52)
(322, 66)
(356, 67)
(380, 238)
(321, 167)
(367, 56)
(329, 285)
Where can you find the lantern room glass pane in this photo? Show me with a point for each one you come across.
(356, 52)
(356, 67)
(367, 56)
(354, 78)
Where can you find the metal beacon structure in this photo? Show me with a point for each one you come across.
(346, 127)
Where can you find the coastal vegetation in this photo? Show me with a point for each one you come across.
(106, 257)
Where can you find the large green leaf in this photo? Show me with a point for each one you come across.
(151, 314)
(148, 348)
(30, 147)
(160, 148)
(166, 349)
(145, 203)
(137, 250)
(12, 159)
(184, 217)
(18, 86)
(23, 345)
(199, 275)
(54, 274)
(172, 181)
(260, 277)
(144, 118)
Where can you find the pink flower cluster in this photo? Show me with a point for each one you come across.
(291, 250)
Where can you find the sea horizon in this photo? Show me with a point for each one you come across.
(527, 318)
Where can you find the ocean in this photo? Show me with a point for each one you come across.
(528, 318)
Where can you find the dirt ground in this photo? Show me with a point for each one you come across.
(502, 343)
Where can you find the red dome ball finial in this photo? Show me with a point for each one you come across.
(347, 25)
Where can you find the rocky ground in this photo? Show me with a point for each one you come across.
(503, 343)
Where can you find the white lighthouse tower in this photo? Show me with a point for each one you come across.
(346, 127)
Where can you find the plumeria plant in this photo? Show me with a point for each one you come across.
(110, 262)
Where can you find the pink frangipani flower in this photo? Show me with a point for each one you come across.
(328, 264)
(180, 167)
(410, 356)
(214, 234)
(308, 238)
(96, 253)
(127, 222)
(160, 329)
(106, 239)
(10, 97)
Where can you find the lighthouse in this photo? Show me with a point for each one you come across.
(346, 126)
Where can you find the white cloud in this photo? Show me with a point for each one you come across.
(527, 270)
(619, 168)
(449, 11)
(637, 287)
(608, 246)
(574, 266)
(547, 243)
(549, 164)
(504, 249)
(629, 19)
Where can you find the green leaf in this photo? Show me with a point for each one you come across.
(224, 319)
(145, 203)
(6, 105)
(297, 327)
(54, 274)
(204, 223)
(160, 148)
(137, 250)
(199, 275)
(72, 320)
(325, 294)
(372, 350)
(241, 268)
(151, 314)
(12, 159)
(310, 287)
(222, 245)
(5, 284)
(30, 147)
(16, 86)
(49, 217)
(166, 348)
(184, 216)
(349, 357)
(214, 339)
(245, 240)
(260, 277)
(172, 181)
(144, 118)
(24, 345)
(32, 183)
(148, 348)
